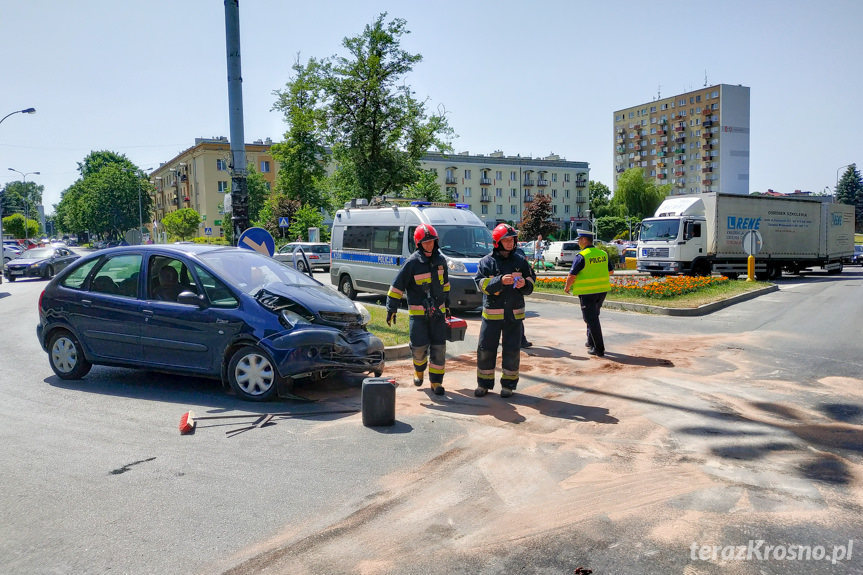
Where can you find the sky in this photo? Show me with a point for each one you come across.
(145, 78)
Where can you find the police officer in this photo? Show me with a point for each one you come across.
(590, 274)
(504, 277)
(425, 281)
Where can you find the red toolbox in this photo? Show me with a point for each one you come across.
(455, 329)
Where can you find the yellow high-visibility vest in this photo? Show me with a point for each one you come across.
(594, 277)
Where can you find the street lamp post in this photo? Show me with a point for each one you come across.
(26, 111)
(26, 201)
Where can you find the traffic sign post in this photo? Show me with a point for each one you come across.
(752, 244)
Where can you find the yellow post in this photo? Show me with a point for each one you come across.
(750, 269)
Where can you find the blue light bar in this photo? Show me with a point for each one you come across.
(418, 203)
(463, 206)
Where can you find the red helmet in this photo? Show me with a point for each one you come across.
(503, 231)
(424, 233)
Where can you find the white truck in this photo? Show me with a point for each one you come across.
(698, 234)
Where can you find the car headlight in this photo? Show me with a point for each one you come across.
(292, 318)
(36, 265)
(366, 316)
(456, 266)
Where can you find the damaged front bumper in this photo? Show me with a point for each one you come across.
(306, 350)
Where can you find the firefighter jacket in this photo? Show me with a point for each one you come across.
(503, 301)
(425, 282)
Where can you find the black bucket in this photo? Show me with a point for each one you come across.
(379, 401)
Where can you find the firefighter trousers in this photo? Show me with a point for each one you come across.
(490, 333)
(428, 345)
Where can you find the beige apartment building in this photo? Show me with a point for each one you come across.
(496, 187)
(697, 141)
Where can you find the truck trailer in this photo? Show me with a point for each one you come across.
(698, 234)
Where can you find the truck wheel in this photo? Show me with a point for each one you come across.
(835, 270)
(774, 271)
(701, 268)
(346, 287)
(252, 374)
(732, 275)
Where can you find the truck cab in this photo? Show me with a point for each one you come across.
(674, 241)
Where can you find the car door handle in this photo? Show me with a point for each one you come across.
(148, 313)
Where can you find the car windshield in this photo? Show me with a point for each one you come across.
(858, 249)
(659, 230)
(37, 253)
(464, 241)
(250, 271)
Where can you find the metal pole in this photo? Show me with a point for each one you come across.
(239, 189)
(25, 111)
(140, 216)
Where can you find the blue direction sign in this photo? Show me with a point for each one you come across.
(284, 223)
(208, 231)
(259, 240)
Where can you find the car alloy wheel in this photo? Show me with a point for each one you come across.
(66, 356)
(252, 375)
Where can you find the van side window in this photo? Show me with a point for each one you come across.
(412, 246)
(387, 240)
(357, 238)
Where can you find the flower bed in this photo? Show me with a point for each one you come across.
(649, 287)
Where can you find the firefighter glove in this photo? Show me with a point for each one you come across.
(391, 317)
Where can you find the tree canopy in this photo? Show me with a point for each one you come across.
(182, 223)
(600, 199)
(850, 191)
(367, 115)
(637, 195)
(536, 219)
(22, 198)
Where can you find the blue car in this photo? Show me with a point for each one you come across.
(209, 311)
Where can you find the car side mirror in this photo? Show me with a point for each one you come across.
(191, 298)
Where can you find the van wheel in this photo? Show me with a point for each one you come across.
(557, 262)
(346, 287)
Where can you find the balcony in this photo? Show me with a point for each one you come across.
(660, 132)
(679, 150)
(485, 198)
(679, 129)
(528, 198)
(580, 199)
(580, 183)
(706, 123)
(662, 154)
(705, 158)
(660, 164)
(661, 176)
(637, 147)
(681, 183)
(679, 162)
(707, 111)
(680, 173)
(619, 169)
(706, 146)
(706, 170)
(484, 181)
(706, 182)
(174, 201)
(451, 180)
(527, 183)
(680, 139)
(620, 140)
(541, 182)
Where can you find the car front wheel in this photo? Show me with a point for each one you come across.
(49, 273)
(66, 356)
(252, 374)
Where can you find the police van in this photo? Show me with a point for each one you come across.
(371, 242)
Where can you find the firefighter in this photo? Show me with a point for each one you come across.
(425, 281)
(504, 277)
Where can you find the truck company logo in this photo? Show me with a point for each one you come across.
(837, 219)
(735, 223)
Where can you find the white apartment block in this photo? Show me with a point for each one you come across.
(697, 141)
(498, 188)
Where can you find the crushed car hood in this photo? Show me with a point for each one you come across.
(318, 298)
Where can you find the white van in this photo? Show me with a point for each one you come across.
(370, 244)
(562, 253)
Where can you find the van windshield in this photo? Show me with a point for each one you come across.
(659, 230)
(464, 241)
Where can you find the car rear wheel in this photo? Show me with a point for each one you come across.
(49, 272)
(346, 287)
(301, 266)
(66, 356)
(252, 374)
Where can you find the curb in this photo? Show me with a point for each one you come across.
(672, 311)
(395, 352)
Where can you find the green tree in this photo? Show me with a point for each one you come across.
(609, 227)
(182, 223)
(277, 206)
(376, 128)
(426, 188)
(302, 156)
(14, 225)
(22, 198)
(850, 191)
(304, 218)
(536, 219)
(600, 199)
(638, 196)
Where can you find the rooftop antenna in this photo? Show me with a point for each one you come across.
(659, 91)
(705, 78)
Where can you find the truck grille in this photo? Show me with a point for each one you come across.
(654, 252)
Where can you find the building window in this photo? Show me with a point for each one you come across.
(714, 94)
(513, 193)
(467, 174)
(265, 167)
(498, 175)
(485, 209)
(566, 194)
(498, 192)
(269, 189)
(554, 208)
(566, 209)
(223, 187)
(553, 193)
(499, 209)
(221, 165)
(554, 177)
(467, 192)
(512, 210)
(513, 176)
(698, 99)
(566, 177)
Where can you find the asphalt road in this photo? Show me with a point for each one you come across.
(744, 425)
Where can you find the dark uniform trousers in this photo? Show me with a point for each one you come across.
(490, 333)
(428, 344)
(590, 305)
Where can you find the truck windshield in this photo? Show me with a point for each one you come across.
(464, 241)
(659, 230)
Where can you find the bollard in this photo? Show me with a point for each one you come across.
(750, 269)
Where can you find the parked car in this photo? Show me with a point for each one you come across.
(239, 316)
(562, 253)
(39, 262)
(11, 252)
(318, 255)
(857, 258)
